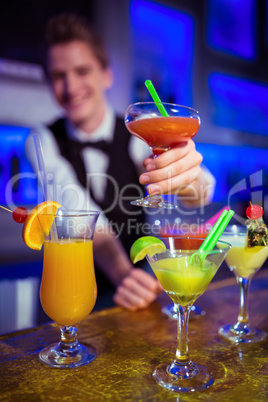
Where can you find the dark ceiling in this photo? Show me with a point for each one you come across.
(22, 25)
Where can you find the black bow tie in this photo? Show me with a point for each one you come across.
(102, 145)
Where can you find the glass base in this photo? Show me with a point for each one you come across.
(53, 356)
(242, 333)
(179, 378)
(154, 201)
(196, 311)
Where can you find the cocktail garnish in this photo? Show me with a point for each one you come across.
(36, 227)
(254, 211)
(157, 100)
(146, 245)
(256, 228)
(19, 214)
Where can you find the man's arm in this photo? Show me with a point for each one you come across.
(110, 255)
(135, 288)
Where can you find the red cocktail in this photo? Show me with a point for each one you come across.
(145, 121)
(163, 133)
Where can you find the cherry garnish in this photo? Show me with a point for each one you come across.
(254, 211)
(19, 214)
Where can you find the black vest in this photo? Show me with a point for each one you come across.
(123, 173)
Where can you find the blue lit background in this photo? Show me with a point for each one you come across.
(233, 165)
(163, 49)
(13, 163)
(239, 104)
(231, 27)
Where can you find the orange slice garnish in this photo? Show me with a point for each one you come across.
(36, 227)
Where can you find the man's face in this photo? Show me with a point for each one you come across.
(79, 82)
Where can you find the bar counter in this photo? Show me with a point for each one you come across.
(130, 345)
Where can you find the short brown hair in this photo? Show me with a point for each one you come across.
(66, 27)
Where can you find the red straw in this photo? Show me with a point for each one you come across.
(214, 218)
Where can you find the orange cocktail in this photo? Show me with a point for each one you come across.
(68, 290)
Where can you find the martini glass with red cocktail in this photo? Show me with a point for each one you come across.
(162, 126)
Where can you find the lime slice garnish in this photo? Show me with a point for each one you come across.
(146, 245)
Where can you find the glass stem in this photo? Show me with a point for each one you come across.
(69, 344)
(244, 284)
(182, 367)
(182, 355)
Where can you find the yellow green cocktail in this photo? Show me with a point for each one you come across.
(185, 275)
(244, 262)
(182, 281)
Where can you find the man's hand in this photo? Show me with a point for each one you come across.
(178, 171)
(137, 290)
(172, 170)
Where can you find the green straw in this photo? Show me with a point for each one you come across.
(215, 233)
(157, 100)
(217, 230)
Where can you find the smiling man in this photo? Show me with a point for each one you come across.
(79, 82)
(95, 163)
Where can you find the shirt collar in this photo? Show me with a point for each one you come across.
(103, 132)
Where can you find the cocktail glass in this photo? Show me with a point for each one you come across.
(185, 275)
(68, 288)
(145, 121)
(244, 263)
(170, 311)
(182, 242)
